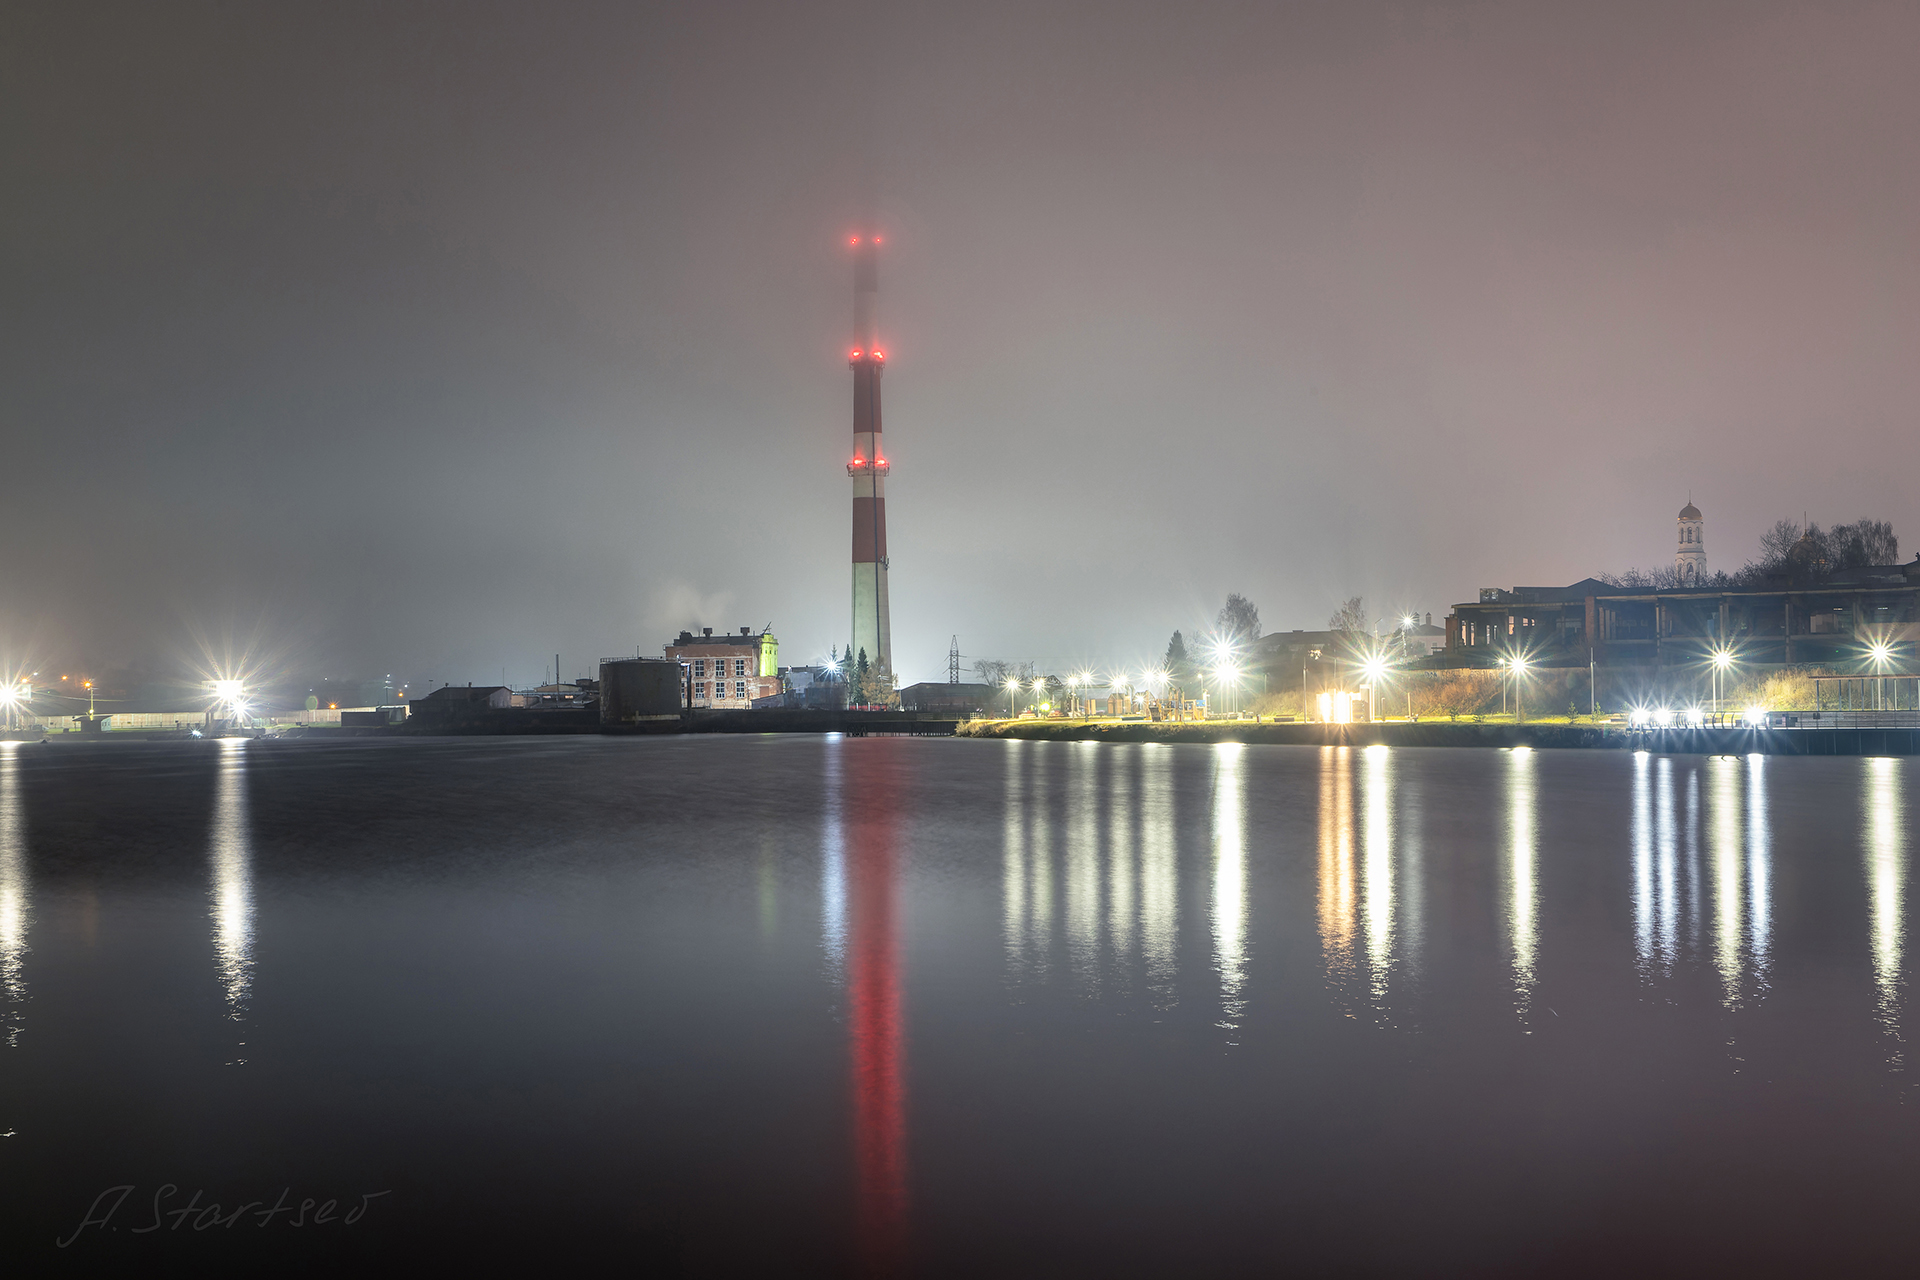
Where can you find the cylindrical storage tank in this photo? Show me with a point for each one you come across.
(633, 690)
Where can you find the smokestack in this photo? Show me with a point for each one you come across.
(872, 628)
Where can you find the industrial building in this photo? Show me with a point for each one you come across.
(636, 691)
(1792, 616)
(1780, 622)
(727, 672)
(948, 696)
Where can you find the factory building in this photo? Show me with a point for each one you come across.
(727, 672)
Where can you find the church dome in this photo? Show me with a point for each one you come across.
(1689, 512)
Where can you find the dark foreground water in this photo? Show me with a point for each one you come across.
(793, 1005)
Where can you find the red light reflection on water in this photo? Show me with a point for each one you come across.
(875, 1027)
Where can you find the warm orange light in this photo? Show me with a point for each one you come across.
(853, 240)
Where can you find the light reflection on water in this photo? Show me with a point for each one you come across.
(876, 1021)
(13, 892)
(1726, 905)
(1083, 867)
(1159, 876)
(1699, 872)
(1230, 881)
(232, 858)
(1523, 900)
(1740, 875)
(1122, 867)
(1379, 872)
(1887, 892)
(833, 869)
(1336, 879)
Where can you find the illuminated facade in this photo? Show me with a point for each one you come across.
(727, 672)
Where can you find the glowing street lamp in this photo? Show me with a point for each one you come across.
(1722, 661)
(1519, 667)
(1375, 669)
(1880, 652)
(1073, 695)
(1013, 691)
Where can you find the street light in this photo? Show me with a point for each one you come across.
(1375, 669)
(1722, 660)
(1880, 651)
(1013, 690)
(1073, 695)
(1519, 670)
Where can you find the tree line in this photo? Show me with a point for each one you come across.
(1799, 552)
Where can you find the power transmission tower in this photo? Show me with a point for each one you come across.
(953, 662)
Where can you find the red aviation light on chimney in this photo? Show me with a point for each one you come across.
(854, 240)
(855, 353)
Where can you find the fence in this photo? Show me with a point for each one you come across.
(1866, 693)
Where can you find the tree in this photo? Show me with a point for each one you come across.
(1660, 578)
(1177, 665)
(871, 684)
(991, 671)
(1350, 619)
(1777, 543)
(1238, 621)
(1862, 543)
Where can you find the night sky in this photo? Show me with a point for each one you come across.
(433, 339)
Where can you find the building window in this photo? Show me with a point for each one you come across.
(699, 666)
(739, 666)
(700, 690)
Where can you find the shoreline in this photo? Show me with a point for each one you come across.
(1728, 740)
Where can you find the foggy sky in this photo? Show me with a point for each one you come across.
(434, 339)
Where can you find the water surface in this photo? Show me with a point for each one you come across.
(791, 1004)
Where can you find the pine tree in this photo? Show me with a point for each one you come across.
(1176, 664)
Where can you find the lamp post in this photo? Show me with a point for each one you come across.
(1721, 661)
(1519, 669)
(1013, 691)
(1880, 651)
(1073, 695)
(1375, 669)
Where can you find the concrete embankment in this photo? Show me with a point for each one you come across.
(1703, 741)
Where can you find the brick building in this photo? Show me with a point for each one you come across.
(727, 672)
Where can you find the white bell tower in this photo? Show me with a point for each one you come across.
(1690, 557)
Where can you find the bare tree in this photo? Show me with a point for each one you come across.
(1238, 621)
(1659, 578)
(1350, 618)
(991, 671)
(1862, 543)
(1777, 542)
